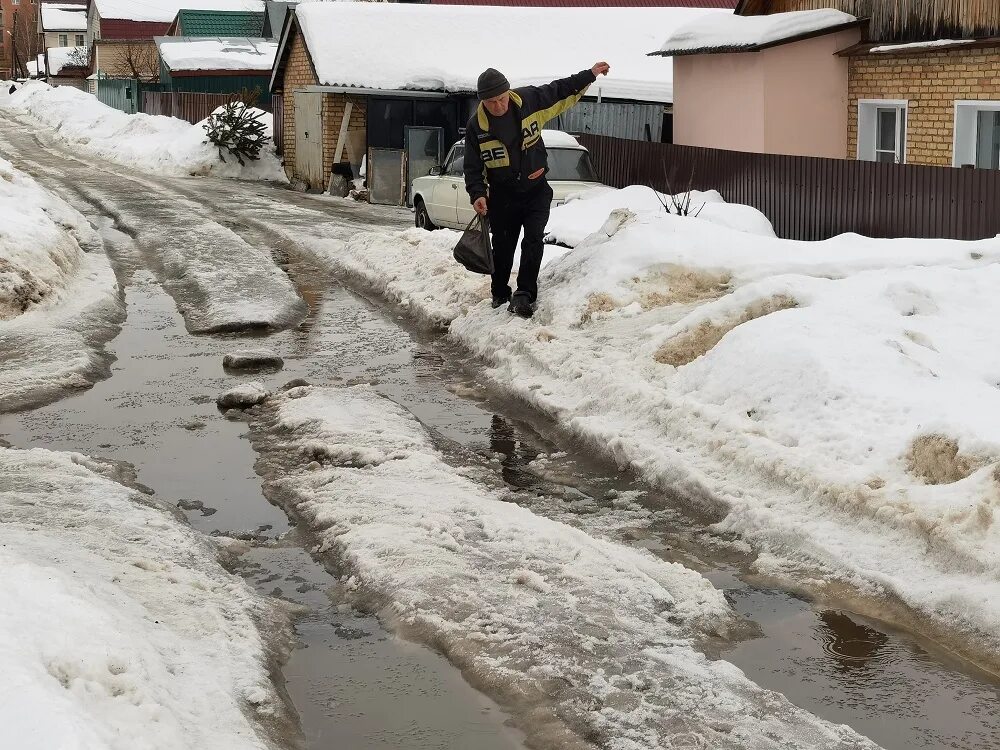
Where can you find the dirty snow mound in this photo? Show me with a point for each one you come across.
(119, 629)
(586, 635)
(59, 299)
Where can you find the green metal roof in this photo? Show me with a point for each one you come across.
(219, 23)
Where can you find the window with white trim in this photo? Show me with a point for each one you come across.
(79, 40)
(977, 134)
(882, 130)
(63, 40)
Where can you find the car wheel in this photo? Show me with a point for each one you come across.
(421, 218)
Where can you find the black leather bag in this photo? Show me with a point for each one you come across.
(474, 250)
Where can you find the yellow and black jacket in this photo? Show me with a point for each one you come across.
(487, 161)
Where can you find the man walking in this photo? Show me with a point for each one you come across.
(505, 166)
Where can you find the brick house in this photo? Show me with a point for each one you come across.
(345, 102)
(18, 36)
(917, 81)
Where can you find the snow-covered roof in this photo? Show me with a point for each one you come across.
(164, 11)
(732, 33)
(60, 18)
(559, 139)
(446, 47)
(60, 57)
(219, 53)
(917, 46)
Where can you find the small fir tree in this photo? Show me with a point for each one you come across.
(236, 127)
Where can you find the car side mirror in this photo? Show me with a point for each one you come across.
(436, 171)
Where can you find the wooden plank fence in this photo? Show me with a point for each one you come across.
(808, 198)
(190, 106)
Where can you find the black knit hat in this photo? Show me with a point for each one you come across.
(491, 83)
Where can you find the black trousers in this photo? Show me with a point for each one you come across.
(510, 212)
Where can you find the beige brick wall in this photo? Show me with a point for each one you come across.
(334, 106)
(299, 72)
(931, 83)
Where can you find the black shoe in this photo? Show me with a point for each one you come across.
(500, 301)
(520, 305)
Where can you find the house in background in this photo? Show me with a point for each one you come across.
(898, 81)
(217, 23)
(122, 32)
(343, 101)
(62, 24)
(19, 43)
(771, 84)
(67, 66)
(274, 17)
(217, 65)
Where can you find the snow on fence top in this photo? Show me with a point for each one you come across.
(218, 53)
(916, 46)
(165, 11)
(62, 19)
(733, 33)
(62, 57)
(445, 47)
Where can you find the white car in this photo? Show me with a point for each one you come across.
(440, 198)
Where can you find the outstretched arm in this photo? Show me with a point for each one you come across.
(557, 97)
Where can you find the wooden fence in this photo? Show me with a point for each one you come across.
(190, 106)
(808, 198)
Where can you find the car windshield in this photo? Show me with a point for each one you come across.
(571, 164)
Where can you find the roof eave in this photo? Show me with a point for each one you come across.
(759, 47)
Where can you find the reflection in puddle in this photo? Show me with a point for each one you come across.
(852, 646)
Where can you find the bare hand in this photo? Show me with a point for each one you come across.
(600, 69)
(480, 206)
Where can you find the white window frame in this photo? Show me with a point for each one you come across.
(963, 147)
(63, 40)
(81, 40)
(868, 126)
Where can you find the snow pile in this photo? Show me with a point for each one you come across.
(150, 143)
(594, 637)
(38, 256)
(338, 34)
(119, 629)
(61, 57)
(59, 300)
(217, 53)
(732, 31)
(164, 11)
(587, 212)
(63, 17)
(836, 397)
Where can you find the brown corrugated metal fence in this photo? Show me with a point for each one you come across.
(808, 198)
(190, 106)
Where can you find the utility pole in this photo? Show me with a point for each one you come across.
(17, 67)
